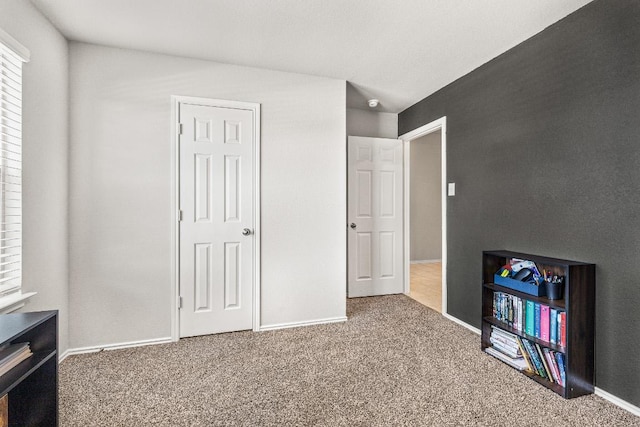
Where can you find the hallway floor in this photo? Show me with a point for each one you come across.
(426, 284)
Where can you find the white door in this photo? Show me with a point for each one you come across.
(375, 214)
(216, 231)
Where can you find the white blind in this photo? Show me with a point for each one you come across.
(10, 170)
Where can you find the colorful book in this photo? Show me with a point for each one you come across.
(531, 351)
(563, 375)
(519, 326)
(525, 355)
(563, 328)
(551, 362)
(494, 307)
(529, 328)
(536, 320)
(544, 362)
(553, 325)
(559, 321)
(544, 322)
(512, 310)
(555, 366)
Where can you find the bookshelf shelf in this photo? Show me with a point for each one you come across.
(492, 320)
(553, 386)
(32, 385)
(557, 304)
(579, 308)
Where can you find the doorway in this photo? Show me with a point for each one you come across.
(425, 220)
(425, 231)
(217, 216)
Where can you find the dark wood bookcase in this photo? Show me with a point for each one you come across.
(578, 304)
(32, 386)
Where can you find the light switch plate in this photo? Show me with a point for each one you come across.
(451, 189)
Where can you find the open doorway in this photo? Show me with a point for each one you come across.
(425, 220)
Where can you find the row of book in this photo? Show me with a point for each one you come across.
(11, 355)
(526, 355)
(532, 318)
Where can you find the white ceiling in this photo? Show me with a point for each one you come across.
(398, 51)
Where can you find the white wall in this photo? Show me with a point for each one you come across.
(426, 197)
(371, 123)
(120, 189)
(45, 156)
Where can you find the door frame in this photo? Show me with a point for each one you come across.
(436, 125)
(176, 101)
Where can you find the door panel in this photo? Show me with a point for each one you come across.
(375, 208)
(217, 202)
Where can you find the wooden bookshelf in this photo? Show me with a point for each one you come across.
(32, 386)
(578, 304)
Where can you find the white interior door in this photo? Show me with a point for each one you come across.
(217, 208)
(375, 215)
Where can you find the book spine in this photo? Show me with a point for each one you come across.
(511, 362)
(555, 366)
(497, 330)
(551, 363)
(536, 320)
(544, 322)
(512, 315)
(563, 329)
(500, 338)
(4, 410)
(510, 346)
(525, 355)
(561, 368)
(495, 305)
(539, 369)
(519, 314)
(530, 317)
(544, 363)
(512, 353)
(553, 325)
(504, 307)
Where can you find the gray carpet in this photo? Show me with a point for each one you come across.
(393, 363)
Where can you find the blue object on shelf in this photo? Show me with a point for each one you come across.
(526, 287)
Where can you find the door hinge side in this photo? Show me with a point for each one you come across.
(180, 215)
(180, 128)
(179, 302)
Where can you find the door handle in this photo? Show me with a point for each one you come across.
(246, 232)
(353, 225)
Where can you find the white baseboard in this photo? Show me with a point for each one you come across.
(617, 401)
(63, 356)
(461, 323)
(116, 346)
(304, 323)
(425, 261)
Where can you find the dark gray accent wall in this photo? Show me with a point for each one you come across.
(543, 143)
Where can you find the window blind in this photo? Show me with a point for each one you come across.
(10, 170)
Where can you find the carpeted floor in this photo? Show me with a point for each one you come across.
(395, 362)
